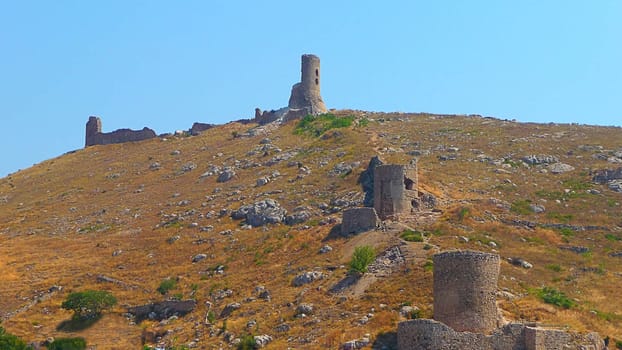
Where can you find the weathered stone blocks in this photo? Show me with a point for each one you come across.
(356, 220)
(95, 136)
(465, 286)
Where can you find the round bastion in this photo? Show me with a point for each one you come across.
(465, 286)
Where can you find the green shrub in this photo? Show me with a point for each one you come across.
(429, 265)
(618, 344)
(463, 213)
(553, 296)
(68, 344)
(89, 304)
(362, 257)
(9, 341)
(412, 236)
(166, 285)
(211, 317)
(521, 207)
(554, 267)
(247, 342)
(316, 125)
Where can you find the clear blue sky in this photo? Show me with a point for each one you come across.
(167, 64)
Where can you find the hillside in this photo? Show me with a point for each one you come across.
(125, 217)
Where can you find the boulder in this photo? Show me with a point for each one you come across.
(267, 211)
(162, 310)
(307, 277)
(558, 168)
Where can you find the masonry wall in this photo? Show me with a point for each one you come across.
(94, 136)
(465, 287)
(395, 190)
(356, 220)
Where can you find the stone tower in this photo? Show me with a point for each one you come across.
(93, 128)
(395, 189)
(306, 93)
(465, 287)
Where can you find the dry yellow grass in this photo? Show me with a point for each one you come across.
(61, 221)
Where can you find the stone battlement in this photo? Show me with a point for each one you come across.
(95, 136)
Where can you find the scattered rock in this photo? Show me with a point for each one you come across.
(540, 159)
(558, 168)
(262, 181)
(299, 216)
(226, 175)
(162, 310)
(307, 277)
(407, 311)
(226, 312)
(283, 327)
(520, 262)
(325, 249)
(262, 340)
(357, 343)
(188, 167)
(304, 309)
(615, 185)
(199, 257)
(537, 208)
(575, 249)
(263, 212)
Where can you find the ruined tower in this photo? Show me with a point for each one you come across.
(93, 128)
(395, 189)
(306, 93)
(465, 287)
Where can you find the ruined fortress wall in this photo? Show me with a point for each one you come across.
(306, 93)
(357, 220)
(465, 286)
(94, 136)
(395, 189)
(425, 334)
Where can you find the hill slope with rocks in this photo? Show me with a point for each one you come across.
(205, 240)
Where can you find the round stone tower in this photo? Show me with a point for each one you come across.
(465, 287)
(306, 94)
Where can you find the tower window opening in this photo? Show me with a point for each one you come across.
(317, 72)
(317, 81)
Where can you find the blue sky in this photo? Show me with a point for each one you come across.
(167, 64)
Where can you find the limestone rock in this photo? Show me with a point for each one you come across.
(263, 212)
(307, 277)
(226, 175)
(226, 312)
(559, 168)
(162, 310)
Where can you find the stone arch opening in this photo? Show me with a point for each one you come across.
(317, 72)
(408, 183)
(317, 81)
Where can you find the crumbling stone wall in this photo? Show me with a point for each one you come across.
(95, 136)
(356, 220)
(465, 287)
(395, 189)
(197, 128)
(465, 313)
(425, 334)
(305, 97)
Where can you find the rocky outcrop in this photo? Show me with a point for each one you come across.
(162, 310)
(267, 211)
(197, 128)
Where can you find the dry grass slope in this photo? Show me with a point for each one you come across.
(102, 210)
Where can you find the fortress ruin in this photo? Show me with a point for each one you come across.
(95, 136)
(395, 190)
(466, 316)
(305, 97)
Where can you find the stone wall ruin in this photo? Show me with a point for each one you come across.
(95, 136)
(305, 97)
(466, 316)
(356, 220)
(395, 189)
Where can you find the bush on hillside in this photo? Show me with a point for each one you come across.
(68, 344)
(89, 304)
(316, 125)
(9, 341)
(362, 257)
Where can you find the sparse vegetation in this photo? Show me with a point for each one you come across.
(412, 236)
(318, 125)
(521, 207)
(167, 285)
(89, 304)
(553, 296)
(9, 341)
(247, 342)
(362, 257)
(68, 344)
